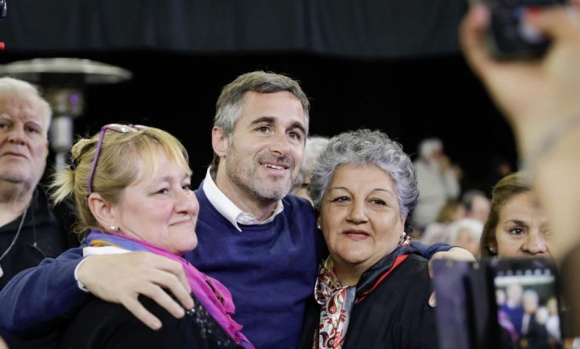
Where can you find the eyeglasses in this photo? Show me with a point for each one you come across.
(113, 127)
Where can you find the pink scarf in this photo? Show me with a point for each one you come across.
(211, 293)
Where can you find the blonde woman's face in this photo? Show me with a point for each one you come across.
(522, 228)
(161, 209)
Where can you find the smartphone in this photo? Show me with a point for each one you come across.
(462, 312)
(527, 303)
(502, 303)
(508, 36)
(453, 311)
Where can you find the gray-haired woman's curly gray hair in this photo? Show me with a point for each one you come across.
(367, 147)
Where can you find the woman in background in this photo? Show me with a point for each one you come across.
(516, 225)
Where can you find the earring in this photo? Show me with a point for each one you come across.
(491, 249)
(402, 239)
(113, 228)
(318, 226)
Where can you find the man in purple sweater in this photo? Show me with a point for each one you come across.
(259, 241)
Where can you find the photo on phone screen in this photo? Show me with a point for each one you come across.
(527, 303)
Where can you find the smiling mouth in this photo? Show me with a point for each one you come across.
(356, 234)
(275, 167)
(184, 224)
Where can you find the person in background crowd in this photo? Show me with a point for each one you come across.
(437, 182)
(363, 188)
(476, 204)
(466, 233)
(314, 145)
(30, 229)
(438, 231)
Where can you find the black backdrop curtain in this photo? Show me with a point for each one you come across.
(362, 28)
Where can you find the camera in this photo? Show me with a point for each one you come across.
(508, 36)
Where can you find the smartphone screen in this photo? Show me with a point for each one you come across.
(527, 303)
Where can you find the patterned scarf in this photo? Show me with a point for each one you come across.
(211, 293)
(336, 301)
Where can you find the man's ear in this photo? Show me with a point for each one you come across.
(102, 210)
(219, 141)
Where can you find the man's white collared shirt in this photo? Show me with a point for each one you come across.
(228, 209)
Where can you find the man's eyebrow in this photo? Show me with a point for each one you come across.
(272, 120)
(268, 119)
(300, 126)
(35, 122)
